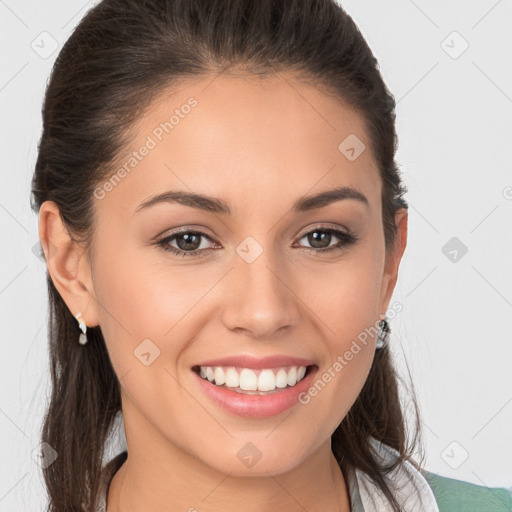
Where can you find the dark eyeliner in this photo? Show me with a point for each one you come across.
(346, 239)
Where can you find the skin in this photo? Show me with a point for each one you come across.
(259, 145)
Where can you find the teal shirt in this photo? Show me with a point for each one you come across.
(456, 495)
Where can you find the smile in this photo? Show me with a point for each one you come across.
(254, 402)
(250, 380)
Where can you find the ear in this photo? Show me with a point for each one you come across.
(67, 265)
(393, 261)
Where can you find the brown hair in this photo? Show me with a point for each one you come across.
(118, 58)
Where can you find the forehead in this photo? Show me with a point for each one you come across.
(242, 137)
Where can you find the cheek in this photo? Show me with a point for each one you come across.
(143, 295)
(344, 371)
(345, 295)
(345, 303)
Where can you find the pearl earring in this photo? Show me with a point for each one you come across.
(83, 337)
(383, 336)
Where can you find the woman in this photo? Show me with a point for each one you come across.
(223, 222)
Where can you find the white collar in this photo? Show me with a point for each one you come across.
(410, 487)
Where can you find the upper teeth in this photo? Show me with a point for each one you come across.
(249, 379)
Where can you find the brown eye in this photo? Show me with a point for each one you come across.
(188, 243)
(320, 239)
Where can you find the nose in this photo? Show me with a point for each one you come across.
(261, 299)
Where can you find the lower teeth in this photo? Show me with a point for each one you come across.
(250, 391)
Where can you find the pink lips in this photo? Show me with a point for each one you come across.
(247, 361)
(256, 406)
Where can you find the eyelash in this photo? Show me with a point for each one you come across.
(346, 239)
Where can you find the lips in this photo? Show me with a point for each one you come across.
(256, 405)
(248, 361)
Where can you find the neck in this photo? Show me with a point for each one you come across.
(160, 475)
(315, 485)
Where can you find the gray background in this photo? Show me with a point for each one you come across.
(454, 117)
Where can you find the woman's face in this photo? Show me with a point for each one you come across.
(253, 284)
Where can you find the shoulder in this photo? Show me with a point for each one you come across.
(457, 495)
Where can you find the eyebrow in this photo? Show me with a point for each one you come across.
(216, 205)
